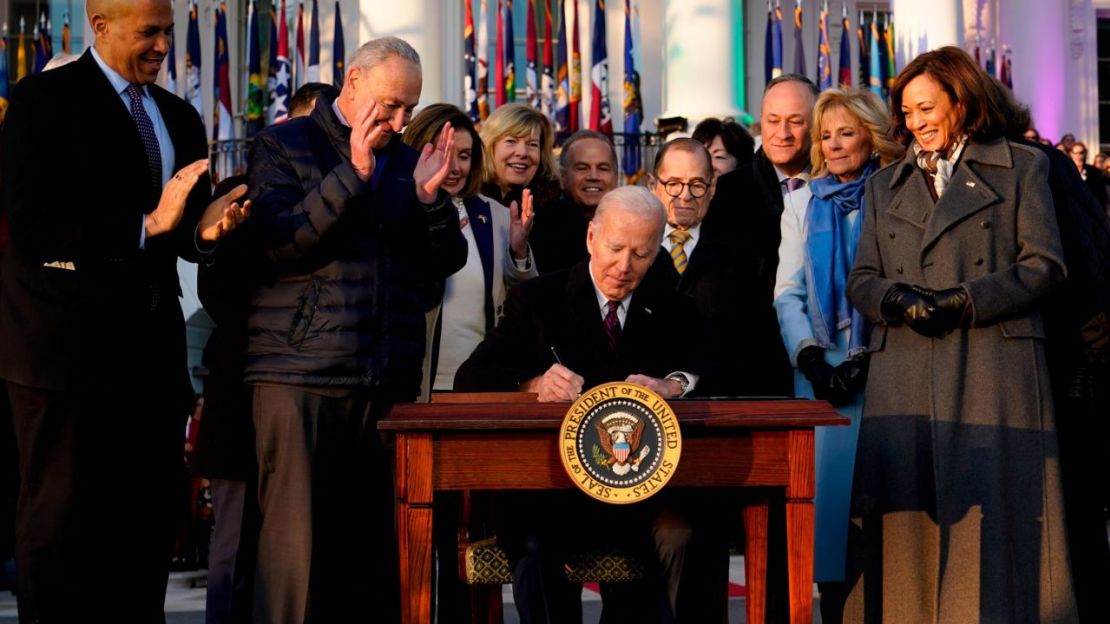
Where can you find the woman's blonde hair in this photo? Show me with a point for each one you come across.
(871, 113)
(518, 120)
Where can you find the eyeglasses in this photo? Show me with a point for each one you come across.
(674, 188)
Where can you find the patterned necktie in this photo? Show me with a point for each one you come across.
(678, 240)
(146, 133)
(613, 324)
(793, 184)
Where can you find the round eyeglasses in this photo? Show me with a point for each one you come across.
(674, 188)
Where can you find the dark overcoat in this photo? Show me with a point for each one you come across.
(957, 511)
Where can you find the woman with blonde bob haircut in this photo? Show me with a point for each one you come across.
(519, 156)
(824, 336)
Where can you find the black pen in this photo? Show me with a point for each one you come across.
(556, 354)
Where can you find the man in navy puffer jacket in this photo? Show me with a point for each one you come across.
(356, 222)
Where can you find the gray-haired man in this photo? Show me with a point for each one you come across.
(355, 222)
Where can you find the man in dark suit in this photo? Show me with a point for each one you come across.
(782, 162)
(605, 319)
(588, 170)
(706, 261)
(101, 201)
(355, 224)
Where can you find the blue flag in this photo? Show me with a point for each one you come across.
(222, 126)
(776, 44)
(562, 76)
(845, 50)
(313, 70)
(255, 87)
(470, 84)
(633, 110)
(510, 54)
(875, 73)
(799, 46)
(339, 53)
(601, 116)
(192, 62)
(824, 54)
(3, 72)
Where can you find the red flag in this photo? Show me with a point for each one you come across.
(531, 78)
(575, 75)
(547, 81)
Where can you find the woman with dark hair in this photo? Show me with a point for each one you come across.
(729, 144)
(498, 254)
(956, 501)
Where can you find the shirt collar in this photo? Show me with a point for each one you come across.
(119, 83)
(339, 113)
(805, 173)
(692, 231)
(602, 300)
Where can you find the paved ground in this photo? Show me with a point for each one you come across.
(185, 600)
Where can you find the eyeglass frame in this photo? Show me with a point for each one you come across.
(683, 186)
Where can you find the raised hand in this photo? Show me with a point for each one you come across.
(224, 214)
(559, 383)
(171, 205)
(434, 165)
(520, 226)
(365, 132)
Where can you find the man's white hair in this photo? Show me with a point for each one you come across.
(377, 51)
(637, 200)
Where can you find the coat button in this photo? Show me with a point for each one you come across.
(899, 269)
(986, 225)
(978, 262)
(892, 234)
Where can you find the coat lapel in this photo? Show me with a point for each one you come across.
(966, 193)
(481, 223)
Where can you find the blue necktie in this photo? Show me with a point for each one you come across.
(146, 133)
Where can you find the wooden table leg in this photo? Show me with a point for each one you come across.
(755, 559)
(414, 525)
(799, 526)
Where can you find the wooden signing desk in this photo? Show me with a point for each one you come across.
(507, 442)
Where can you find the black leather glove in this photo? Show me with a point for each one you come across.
(822, 376)
(851, 374)
(953, 309)
(914, 305)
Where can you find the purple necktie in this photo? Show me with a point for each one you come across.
(146, 133)
(613, 324)
(793, 184)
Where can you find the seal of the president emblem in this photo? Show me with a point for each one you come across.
(620, 443)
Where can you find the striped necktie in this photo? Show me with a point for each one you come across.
(678, 240)
(146, 133)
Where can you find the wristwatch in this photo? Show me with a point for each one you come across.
(681, 380)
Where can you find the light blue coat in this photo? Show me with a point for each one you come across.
(835, 447)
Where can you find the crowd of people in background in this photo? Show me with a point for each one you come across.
(934, 269)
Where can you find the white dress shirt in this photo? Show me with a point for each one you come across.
(688, 248)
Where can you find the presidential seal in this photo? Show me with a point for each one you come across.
(620, 443)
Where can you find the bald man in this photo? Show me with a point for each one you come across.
(110, 186)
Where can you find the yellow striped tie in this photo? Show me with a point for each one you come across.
(678, 240)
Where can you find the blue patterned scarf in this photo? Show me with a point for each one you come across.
(830, 252)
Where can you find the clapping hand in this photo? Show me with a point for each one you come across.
(520, 227)
(224, 214)
(171, 205)
(365, 132)
(434, 165)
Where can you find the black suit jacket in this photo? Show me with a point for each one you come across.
(560, 311)
(722, 277)
(76, 194)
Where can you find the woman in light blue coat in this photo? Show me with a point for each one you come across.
(823, 334)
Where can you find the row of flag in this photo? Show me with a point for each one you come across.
(42, 49)
(876, 49)
(1002, 69)
(265, 99)
(555, 87)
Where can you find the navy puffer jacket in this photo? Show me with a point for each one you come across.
(352, 257)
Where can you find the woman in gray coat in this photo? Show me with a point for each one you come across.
(957, 513)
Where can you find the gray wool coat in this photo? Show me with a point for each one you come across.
(956, 510)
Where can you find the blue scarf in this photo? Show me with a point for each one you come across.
(830, 252)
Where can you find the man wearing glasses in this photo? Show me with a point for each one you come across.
(707, 263)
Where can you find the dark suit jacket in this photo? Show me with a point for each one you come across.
(560, 311)
(722, 278)
(744, 210)
(77, 193)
